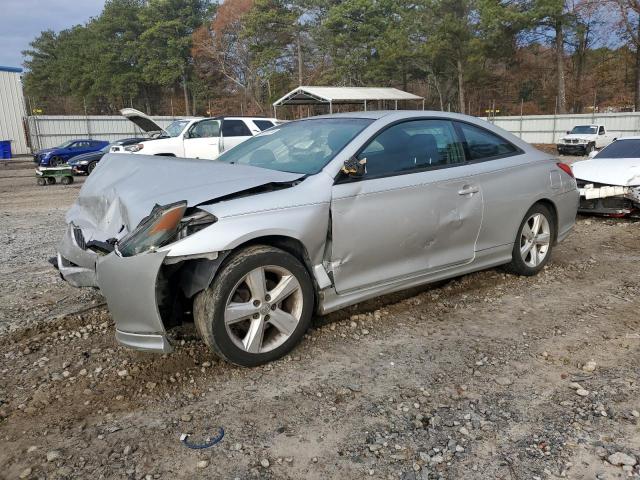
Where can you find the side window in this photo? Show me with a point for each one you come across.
(413, 146)
(205, 129)
(80, 145)
(601, 132)
(263, 124)
(235, 128)
(482, 144)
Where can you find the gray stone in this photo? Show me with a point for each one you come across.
(620, 458)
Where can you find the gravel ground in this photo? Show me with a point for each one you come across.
(485, 376)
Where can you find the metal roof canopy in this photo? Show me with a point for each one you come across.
(343, 96)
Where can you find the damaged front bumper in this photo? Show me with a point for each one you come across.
(129, 286)
(127, 283)
(608, 199)
(76, 264)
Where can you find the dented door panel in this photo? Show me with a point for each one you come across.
(390, 228)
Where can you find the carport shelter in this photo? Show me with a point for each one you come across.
(343, 96)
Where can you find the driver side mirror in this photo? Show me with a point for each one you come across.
(355, 168)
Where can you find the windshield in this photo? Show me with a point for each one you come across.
(621, 149)
(176, 127)
(584, 130)
(304, 146)
(65, 144)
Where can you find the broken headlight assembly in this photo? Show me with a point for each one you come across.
(161, 226)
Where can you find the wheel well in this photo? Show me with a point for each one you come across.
(291, 246)
(554, 211)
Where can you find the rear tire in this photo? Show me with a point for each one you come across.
(534, 242)
(257, 308)
(66, 180)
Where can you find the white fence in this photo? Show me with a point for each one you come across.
(550, 128)
(49, 131)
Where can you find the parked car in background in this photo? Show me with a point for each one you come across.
(54, 157)
(85, 163)
(584, 139)
(609, 181)
(309, 217)
(199, 137)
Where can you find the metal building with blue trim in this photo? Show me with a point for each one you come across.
(13, 111)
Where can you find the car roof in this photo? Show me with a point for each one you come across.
(400, 114)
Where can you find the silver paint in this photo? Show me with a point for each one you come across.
(361, 239)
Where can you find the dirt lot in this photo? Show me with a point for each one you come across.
(474, 378)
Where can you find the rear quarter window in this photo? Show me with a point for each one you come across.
(483, 145)
(235, 128)
(263, 124)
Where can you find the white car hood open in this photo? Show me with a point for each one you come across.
(143, 121)
(609, 171)
(123, 189)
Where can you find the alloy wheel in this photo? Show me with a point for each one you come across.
(264, 309)
(535, 240)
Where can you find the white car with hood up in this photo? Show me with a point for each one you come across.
(195, 137)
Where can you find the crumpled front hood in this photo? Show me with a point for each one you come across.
(123, 189)
(609, 171)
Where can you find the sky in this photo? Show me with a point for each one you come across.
(23, 20)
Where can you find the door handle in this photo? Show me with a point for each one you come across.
(468, 190)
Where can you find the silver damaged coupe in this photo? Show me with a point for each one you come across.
(306, 218)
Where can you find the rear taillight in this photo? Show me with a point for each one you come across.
(565, 168)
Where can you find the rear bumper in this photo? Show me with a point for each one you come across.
(566, 206)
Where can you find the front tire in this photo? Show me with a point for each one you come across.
(534, 242)
(257, 308)
(91, 167)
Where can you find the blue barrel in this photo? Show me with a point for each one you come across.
(5, 149)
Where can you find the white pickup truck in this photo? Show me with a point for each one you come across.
(196, 137)
(584, 139)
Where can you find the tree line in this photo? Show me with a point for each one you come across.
(197, 57)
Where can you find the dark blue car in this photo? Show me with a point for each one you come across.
(54, 157)
(85, 163)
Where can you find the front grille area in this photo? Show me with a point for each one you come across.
(611, 204)
(79, 237)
